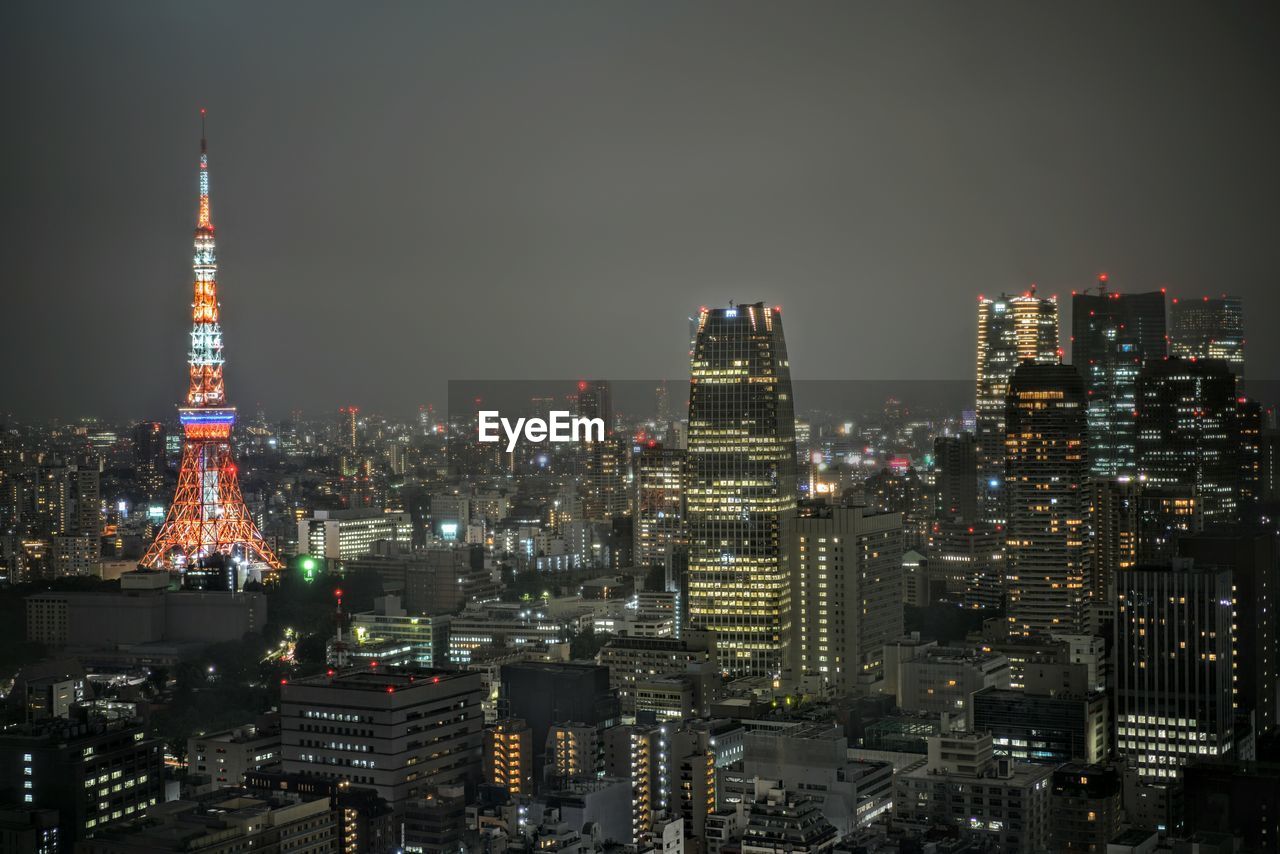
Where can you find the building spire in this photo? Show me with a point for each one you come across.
(204, 221)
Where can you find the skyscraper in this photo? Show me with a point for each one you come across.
(955, 461)
(1173, 679)
(847, 598)
(742, 486)
(1209, 328)
(658, 522)
(149, 460)
(1047, 471)
(1112, 334)
(1253, 556)
(600, 463)
(1188, 432)
(1011, 330)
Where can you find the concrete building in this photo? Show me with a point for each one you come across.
(630, 659)
(846, 593)
(225, 822)
(94, 774)
(144, 611)
(226, 756)
(508, 756)
(1086, 806)
(935, 679)
(813, 759)
(1174, 697)
(964, 787)
(782, 822)
(346, 534)
(369, 726)
(388, 620)
(545, 694)
(1043, 729)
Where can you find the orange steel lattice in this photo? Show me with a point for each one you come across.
(208, 515)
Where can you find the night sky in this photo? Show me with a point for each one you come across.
(408, 193)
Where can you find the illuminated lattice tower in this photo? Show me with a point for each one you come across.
(208, 515)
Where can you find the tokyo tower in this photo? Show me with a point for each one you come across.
(208, 516)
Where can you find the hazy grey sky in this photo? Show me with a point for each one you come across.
(407, 193)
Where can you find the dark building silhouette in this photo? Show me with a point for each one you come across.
(546, 693)
(1112, 334)
(1254, 560)
(1188, 432)
(955, 462)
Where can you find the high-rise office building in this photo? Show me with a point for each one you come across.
(1209, 328)
(1173, 693)
(955, 463)
(742, 486)
(1011, 330)
(1049, 545)
(658, 521)
(95, 774)
(150, 460)
(1112, 334)
(368, 725)
(847, 598)
(600, 463)
(1189, 432)
(968, 558)
(1253, 556)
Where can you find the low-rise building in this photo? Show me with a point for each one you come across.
(962, 786)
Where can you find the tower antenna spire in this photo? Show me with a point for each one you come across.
(204, 145)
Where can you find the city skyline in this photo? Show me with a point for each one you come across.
(539, 188)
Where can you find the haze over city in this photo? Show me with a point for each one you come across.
(411, 194)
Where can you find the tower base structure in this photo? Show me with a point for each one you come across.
(208, 515)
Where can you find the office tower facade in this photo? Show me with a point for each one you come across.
(1253, 557)
(208, 516)
(968, 559)
(1011, 330)
(955, 463)
(1210, 328)
(94, 774)
(847, 596)
(658, 522)
(1112, 334)
(1174, 665)
(600, 463)
(348, 427)
(347, 534)
(366, 726)
(1086, 807)
(1049, 544)
(1188, 433)
(1042, 728)
(150, 461)
(742, 486)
